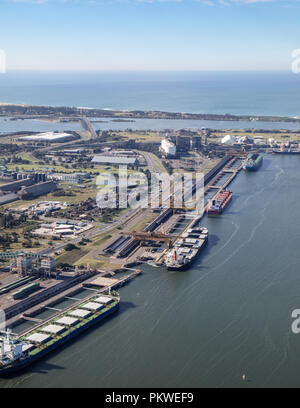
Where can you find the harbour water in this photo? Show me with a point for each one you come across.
(32, 125)
(229, 315)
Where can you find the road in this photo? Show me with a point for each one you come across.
(87, 125)
(155, 165)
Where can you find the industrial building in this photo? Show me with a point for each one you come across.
(196, 143)
(38, 189)
(23, 264)
(16, 185)
(8, 198)
(62, 228)
(50, 137)
(116, 160)
(167, 147)
(228, 139)
(73, 178)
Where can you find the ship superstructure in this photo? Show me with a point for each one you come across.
(186, 249)
(219, 203)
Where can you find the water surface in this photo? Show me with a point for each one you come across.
(229, 315)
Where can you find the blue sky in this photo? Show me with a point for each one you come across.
(149, 35)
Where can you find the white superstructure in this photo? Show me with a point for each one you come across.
(168, 147)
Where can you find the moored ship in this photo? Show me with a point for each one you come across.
(18, 352)
(253, 162)
(285, 151)
(219, 203)
(186, 249)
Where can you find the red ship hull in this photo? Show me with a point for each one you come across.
(221, 202)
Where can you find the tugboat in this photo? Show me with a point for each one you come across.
(219, 203)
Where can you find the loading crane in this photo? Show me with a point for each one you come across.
(152, 236)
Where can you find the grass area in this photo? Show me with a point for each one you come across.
(101, 241)
(71, 257)
(140, 225)
(80, 195)
(209, 166)
(141, 136)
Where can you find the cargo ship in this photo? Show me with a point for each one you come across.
(19, 352)
(289, 151)
(253, 162)
(219, 203)
(186, 249)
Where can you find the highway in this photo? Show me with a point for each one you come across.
(87, 125)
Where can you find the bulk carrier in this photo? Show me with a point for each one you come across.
(287, 151)
(186, 249)
(18, 352)
(253, 162)
(219, 203)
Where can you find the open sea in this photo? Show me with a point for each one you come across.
(259, 93)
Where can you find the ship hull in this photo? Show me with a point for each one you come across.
(283, 152)
(211, 212)
(6, 371)
(255, 166)
(185, 266)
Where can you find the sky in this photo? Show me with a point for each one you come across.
(162, 35)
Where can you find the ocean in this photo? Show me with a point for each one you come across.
(257, 93)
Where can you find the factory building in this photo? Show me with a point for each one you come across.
(73, 178)
(182, 143)
(196, 143)
(114, 160)
(228, 139)
(51, 137)
(24, 265)
(48, 264)
(16, 185)
(167, 147)
(38, 189)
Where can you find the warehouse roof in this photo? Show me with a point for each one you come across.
(8, 198)
(47, 136)
(115, 160)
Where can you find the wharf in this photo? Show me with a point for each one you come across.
(70, 294)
